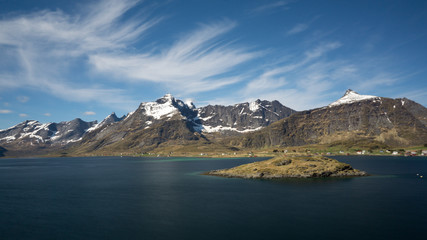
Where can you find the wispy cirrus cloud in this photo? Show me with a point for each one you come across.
(316, 77)
(301, 82)
(98, 28)
(199, 59)
(22, 99)
(5, 111)
(270, 6)
(49, 44)
(46, 45)
(301, 27)
(89, 113)
(382, 79)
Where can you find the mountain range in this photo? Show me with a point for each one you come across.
(353, 119)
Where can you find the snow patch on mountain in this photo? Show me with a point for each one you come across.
(8, 139)
(254, 106)
(72, 140)
(162, 107)
(129, 114)
(205, 119)
(190, 104)
(96, 126)
(112, 118)
(351, 96)
(220, 128)
(31, 135)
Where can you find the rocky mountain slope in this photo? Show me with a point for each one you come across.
(353, 119)
(33, 132)
(243, 117)
(31, 136)
(166, 119)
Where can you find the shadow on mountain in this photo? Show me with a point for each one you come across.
(2, 151)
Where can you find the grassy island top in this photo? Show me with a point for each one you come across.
(291, 167)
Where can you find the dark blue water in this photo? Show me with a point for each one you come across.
(141, 198)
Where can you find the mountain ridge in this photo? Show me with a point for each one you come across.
(153, 123)
(166, 122)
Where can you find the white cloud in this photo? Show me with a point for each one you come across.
(8, 81)
(100, 28)
(89, 113)
(5, 111)
(22, 99)
(321, 50)
(270, 6)
(23, 115)
(47, 114)
(297, 29)
(301, 84)
(47, 43)
(264, 83)
(198, 59)
(381, 79)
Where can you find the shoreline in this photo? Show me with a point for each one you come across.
(207, 155)
(290, 167)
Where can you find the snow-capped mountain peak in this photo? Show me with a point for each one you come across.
(254, 106)
(31, 131)
(167, 106)
(161, 107)
(167, 98)
(351, 96)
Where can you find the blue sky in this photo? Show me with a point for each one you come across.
(65, 59)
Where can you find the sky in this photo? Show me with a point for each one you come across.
(62, 59)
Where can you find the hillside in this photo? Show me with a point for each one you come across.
(374, 120)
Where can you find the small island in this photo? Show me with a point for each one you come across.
(291, 167)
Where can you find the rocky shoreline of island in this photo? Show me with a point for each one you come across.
(291, 167)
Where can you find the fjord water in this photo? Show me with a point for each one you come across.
(167, 198)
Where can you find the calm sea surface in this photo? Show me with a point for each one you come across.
(166, 198)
